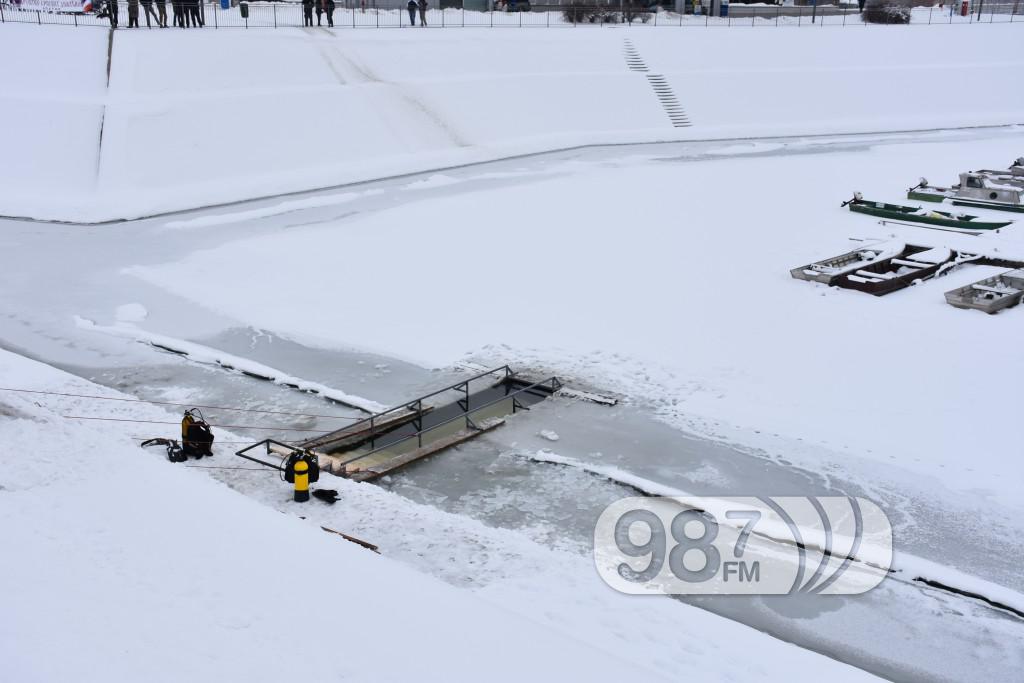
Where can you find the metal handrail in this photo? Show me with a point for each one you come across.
(555, 386)
(416, 405)
(266, 442)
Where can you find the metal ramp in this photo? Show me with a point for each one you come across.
(387, 441)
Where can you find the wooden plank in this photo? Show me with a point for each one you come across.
(588, 396)
(353, 539)
(429, 449)
(875, 276)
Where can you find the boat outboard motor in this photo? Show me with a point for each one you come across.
(196, 435)
(857, 198)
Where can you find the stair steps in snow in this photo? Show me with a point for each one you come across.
(676, 113)
(633, 59)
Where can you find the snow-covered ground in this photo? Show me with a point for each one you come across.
(122, 566)
(198, 118)
(494, 481)
(657, 272)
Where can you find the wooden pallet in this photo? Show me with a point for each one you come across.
(357, 473)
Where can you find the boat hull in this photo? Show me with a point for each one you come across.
(982, 204)
(990, 295)
(907, 213)
(924, 194)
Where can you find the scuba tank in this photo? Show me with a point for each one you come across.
(196, 435)
(311, 461)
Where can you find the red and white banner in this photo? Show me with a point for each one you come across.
(54, 5)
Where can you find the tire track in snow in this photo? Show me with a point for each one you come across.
(351, 71)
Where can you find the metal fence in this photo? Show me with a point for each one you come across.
(352, 14)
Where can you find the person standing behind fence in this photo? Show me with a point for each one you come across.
(193, 12)
(319, 6)
(147, 8)
(112, 12)
(412, 12)
(423, 12)
(161, 11)
(176, 12)
(329, 9)
(307, 12)
(133, 13)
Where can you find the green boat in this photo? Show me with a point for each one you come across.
(921, 215)
(975, 190)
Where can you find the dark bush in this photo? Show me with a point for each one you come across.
(887, 12)
(633, 10)
(589, 12)
(578, 12)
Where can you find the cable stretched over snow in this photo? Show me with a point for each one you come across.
(165, 422)
(183, 405)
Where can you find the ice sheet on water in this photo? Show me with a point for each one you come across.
(131, 313)
(205, 354)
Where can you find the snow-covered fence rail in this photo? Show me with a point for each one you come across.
(366, 14)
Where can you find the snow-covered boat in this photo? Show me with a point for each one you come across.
(921, 215)
(990, 295)
(1016, 170)
(974, 189)
(829, 270)
(892, 274)
(881, 271)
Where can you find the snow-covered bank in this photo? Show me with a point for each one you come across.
(185, 126)
(131, 568)
(51, 92)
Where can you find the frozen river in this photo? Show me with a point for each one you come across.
(901, 630)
